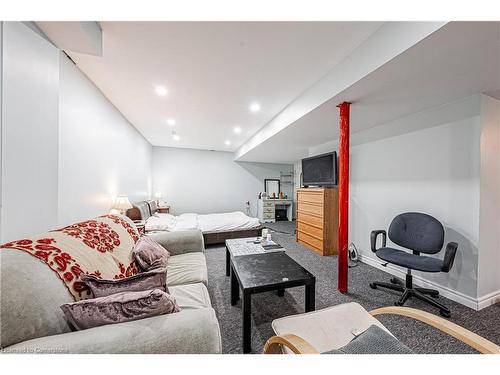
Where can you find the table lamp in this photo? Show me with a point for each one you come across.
(121, 204)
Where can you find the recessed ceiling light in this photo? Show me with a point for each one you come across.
(227, 142)
(255, 107)
(237, 129)
(161, 90)
(171, 122)
(176, 137)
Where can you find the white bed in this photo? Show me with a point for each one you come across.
(206, 223)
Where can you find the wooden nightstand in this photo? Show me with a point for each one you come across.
(164, 210)
(141, 227)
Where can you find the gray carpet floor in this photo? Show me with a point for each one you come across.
(268, 306)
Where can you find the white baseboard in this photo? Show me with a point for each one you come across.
(488, 299)
(473, 303)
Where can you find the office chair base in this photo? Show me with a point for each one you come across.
(408, 292)
(432, 292)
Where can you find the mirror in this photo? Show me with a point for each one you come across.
(272, 186)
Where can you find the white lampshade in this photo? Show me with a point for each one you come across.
(121, 203)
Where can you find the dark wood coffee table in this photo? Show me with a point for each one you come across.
(248, 246)
(259, 273)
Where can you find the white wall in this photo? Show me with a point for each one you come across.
(435, 170)
(100, 153)
(30, 132)
(489, 228)
(210, 181)
(66, 150)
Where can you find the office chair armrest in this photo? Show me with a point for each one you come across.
(460, 333)
(293, 342)
(373, 239)
(449, 256)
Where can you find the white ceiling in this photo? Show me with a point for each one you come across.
(213, 71)
(458, 60)
(81, 36)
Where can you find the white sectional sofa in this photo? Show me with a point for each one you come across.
(32, 322)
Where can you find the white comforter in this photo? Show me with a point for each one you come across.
(226, 221)
(206, 223)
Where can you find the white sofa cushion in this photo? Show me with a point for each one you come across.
(191, 296)
(188, 268)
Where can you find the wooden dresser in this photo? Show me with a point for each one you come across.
(318, 219)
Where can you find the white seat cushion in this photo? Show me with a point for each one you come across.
(189, 268)
(330, 328)
(191, 296)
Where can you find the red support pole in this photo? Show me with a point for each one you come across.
(343, 195)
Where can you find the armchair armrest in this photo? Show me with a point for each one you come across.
(373, 239)
(299, 346)
(449, 256)
(293, 342)
(470, 338)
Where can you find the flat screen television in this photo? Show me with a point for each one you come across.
(320, 170)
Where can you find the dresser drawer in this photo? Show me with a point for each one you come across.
(310, 230)
(309, 208)
(267, 204)
(310, 219)
(312, 196)
(309, 240)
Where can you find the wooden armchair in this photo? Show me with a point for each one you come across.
(288, 342)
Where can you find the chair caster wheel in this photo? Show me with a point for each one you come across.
(373, 286)
(394, 280)
(434, 295)
(445, 314)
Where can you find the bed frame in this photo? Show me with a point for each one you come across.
(144, 209)
(212, 238)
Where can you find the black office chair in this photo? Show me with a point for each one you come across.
(420, 233)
